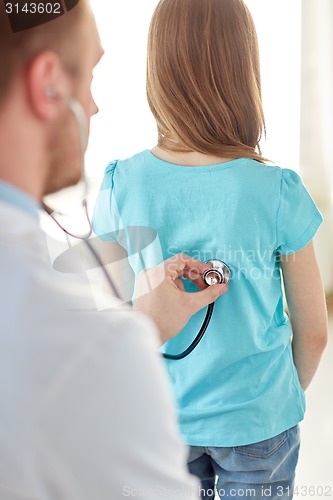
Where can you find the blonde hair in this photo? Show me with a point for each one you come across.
(203, 78)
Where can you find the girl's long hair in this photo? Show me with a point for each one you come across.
(203, 78)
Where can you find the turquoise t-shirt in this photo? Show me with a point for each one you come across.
(240, 385)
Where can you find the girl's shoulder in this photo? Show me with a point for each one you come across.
(137, 160)
(285, 176)
(249, 170)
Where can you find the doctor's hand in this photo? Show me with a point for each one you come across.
(161, 295)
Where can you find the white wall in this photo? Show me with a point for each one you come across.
(316, 146)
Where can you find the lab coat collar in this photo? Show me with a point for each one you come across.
(10, 194)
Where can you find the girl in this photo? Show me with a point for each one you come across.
(208, 192)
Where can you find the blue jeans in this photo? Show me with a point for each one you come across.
(261, 470)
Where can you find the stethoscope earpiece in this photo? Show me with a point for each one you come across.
(218, 274)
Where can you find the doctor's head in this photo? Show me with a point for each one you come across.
(203, 78)
(42, 67)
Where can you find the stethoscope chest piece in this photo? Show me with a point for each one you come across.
(219, 273)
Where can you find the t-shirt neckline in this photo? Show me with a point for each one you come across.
(197, 168)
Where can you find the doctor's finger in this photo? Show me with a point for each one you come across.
(199, 300)
(196, 278)
(183, 265)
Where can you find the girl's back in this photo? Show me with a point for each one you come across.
(241, 377)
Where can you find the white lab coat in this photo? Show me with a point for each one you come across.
(85, 405)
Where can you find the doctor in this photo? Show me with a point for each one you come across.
(85, 406)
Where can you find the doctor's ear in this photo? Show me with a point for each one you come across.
(47, 86)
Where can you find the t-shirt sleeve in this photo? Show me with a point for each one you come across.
(106, 219)
(298, 217)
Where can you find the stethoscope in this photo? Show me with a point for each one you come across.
(218, 273)
(81, 120)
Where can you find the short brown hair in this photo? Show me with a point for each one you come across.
(17, 50)
(203, 78)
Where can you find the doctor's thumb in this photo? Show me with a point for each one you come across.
(202, 299)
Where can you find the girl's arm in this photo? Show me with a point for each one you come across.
(307, 310)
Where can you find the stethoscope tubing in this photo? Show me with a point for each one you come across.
(197, 339)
